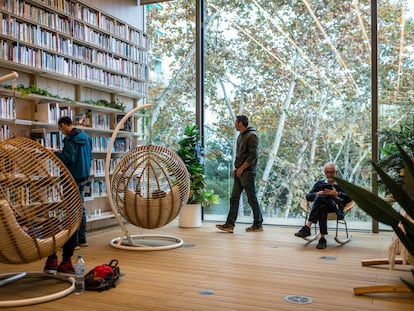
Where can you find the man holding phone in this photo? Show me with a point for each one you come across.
(327, 197)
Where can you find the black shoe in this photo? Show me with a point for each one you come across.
(303, 232)
(321, 243)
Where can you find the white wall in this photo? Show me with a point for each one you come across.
(126, 10)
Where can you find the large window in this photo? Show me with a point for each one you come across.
(301, 70)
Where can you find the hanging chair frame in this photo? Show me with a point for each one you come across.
(132, 240)
(12, 277)
(8, 278)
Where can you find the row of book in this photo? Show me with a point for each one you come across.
(83, 14)
(43, 60)
(101, 143)
(54, 140)
(98, 167)
(23, 195)
(7, 108)
(51, 140)
(95, 188)
(5, 132)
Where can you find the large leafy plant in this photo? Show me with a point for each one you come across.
(390, 159)
(192, 152)
(383, 211)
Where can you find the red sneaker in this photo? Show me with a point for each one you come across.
(51, 265)
(66, 267)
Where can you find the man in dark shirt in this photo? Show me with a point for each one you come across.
(244, 176)
(327, 197)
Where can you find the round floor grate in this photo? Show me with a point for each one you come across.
(301, 300)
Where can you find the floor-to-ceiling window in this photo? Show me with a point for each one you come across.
(301, 71)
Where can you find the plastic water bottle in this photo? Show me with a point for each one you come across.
(79, 275)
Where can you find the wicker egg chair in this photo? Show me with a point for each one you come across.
(40, 209)
(148, 187)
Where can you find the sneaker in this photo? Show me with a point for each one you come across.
(66, 267)
(83, 244)
(51, 265)
(321, 243)
(254, 229)
(77, 246)
(226, 228)
(303, 232)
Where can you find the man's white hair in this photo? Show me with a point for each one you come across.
(330, 164)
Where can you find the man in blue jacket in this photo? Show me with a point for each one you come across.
(327, 197)
(77, 156)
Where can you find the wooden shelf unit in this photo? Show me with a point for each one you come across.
(78, 53)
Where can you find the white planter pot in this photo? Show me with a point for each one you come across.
(190, 216)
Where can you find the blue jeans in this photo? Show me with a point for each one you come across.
(247, 183)
(81, 236)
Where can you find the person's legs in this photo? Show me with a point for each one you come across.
(81, 235)
(234, 202)
(325, 206)
(234, 207)
(314, 217)
(68, 248)
(248, 182)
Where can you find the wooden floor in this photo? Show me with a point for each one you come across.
(220, 271)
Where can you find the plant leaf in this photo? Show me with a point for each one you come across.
(371, 203)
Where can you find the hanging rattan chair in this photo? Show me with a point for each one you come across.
(40, 207)
(148, 187)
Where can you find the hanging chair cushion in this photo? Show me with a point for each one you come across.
(18, 246)
(151, 213)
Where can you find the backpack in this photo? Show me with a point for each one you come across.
(102, 277)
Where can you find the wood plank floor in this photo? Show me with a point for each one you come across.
(242, 271)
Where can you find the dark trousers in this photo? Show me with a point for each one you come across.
(81, 236)
(69, 247)
(319, 213)
(247, 183)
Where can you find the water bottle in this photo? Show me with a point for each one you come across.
(79, 275)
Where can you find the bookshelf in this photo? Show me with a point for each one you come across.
(80, 53)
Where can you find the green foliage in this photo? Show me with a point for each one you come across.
(116, 104)
(383, 211)
(390, 159)
(192, 154)
(33, 89)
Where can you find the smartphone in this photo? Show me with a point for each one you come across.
(327, 186)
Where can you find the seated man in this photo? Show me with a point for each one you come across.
(327, 197)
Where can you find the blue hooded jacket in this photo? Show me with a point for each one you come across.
(77, 154)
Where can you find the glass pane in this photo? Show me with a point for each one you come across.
(301, 71)
(396, 87)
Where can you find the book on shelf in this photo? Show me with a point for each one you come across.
(39, 135)
(122, 144)
(127, 126)
(82, 119)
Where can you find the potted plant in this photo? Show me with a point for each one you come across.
(192, 152)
